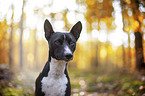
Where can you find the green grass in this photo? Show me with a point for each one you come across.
(100, 82)
(112, 83)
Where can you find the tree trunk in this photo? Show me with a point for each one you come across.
(129, 53)
(35, 50)
(122, 3)
(11, 40)
(139, 50)
(123, 57)
(138, 36)
(21, 38)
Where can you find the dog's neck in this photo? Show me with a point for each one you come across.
(57, 68)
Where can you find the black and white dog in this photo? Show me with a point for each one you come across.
(54, 79)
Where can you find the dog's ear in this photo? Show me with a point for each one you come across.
(76, 30)
(48, 29)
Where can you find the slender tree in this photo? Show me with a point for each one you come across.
(11, 39)
(21, 36)
(35, 49)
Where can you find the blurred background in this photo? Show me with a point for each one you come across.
(109, 58)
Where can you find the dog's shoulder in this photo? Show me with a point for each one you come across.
(44, 73)
(46, 69)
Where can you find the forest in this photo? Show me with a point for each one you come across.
(109, 56)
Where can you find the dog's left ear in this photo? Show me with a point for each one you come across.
(76, 30)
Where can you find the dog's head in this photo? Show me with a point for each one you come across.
(62, 45)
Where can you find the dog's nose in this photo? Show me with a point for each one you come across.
(68, 56)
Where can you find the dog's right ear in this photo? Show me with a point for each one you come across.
(48, 29)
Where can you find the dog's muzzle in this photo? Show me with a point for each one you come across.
(68, 57)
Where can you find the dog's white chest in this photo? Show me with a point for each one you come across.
(54, 87)
(56, 82)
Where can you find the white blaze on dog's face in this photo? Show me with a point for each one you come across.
(62, 45)
(67, 50)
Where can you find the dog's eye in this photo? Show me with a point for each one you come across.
(58, 42)
(72, 43)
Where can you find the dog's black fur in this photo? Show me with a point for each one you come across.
(57, 41)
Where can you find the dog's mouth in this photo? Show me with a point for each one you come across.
(67, 60)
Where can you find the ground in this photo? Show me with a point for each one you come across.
(95, 82)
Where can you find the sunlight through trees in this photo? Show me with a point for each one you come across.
(112, 43)
(113, 32)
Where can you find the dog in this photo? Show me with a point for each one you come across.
(54, 79)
